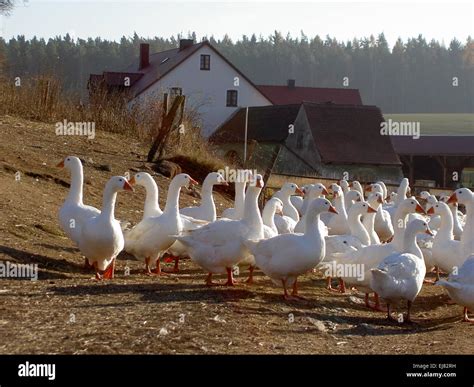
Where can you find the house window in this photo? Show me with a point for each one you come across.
(174, 92)
(231, 98)
(205, 62)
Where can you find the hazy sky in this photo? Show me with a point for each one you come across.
(343, 20)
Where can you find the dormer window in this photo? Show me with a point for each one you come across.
(175, 91)
(205, 62)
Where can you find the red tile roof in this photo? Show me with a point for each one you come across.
(284, 95)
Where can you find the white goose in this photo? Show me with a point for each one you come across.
(457, 216)
(460, 287)
(313, 191)
(101, 238)
(350, 198)
(375, 200)
(356, 186)
(152, 205)
(285, 257)
(337, 224)
(298, 201)
(272, 207)
(219, 246)
(150, 238)
(383, 222)
(446, 252)
(402, 193)
(371, 256)
(466, 197)
(207, 209)
(339, 245)
(286, 223)
(73, 212)
(241, 181)
(400, 275)
(344, 185)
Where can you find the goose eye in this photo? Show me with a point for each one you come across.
(120, 180)
(68, 159)
(412, 202)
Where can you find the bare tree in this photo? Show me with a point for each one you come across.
(6, 6)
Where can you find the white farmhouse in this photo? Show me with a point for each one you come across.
(213, 86)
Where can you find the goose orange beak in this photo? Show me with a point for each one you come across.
(260, 183)
(453, 198)
(224, 183)
(351, 184)
(127, 186)
(371, 210)
(420, 209)
(332, 209)
(431, 211)
(61, 164)
(192, 181)
(325, 191)
(368, 188)
(132, 181)
(299, 191)
(429, 232)
(335, 194)
(380, 200)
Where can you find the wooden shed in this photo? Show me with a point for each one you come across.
(314, 140)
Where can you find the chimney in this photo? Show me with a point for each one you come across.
(291, 83)
(185, 43)
(144, 56)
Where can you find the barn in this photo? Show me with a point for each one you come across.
(311, 140)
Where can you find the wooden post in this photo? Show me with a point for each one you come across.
(165, 129)
(411, 171)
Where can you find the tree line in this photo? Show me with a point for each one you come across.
(413, 76)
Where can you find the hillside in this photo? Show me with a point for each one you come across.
(66, 311)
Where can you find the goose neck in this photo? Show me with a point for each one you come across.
(109, 198)
(251, 211)
(77, 182)
(151, 200)
(172, 199)
(207, 200)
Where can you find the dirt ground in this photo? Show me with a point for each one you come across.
(67, 312)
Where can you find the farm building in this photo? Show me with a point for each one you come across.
(213, 86)
(437, 161)
(311, 140)
(443, 156)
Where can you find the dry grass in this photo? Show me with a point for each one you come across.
(42, 99)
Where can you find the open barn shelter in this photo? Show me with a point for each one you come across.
(437, 161)
(313, 140)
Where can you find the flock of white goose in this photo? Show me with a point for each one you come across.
(390, 237)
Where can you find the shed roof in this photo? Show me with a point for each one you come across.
(343, 134)
(434, 145)
(350, 134)
(283, 95)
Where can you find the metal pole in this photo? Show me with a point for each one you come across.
(245, 135)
